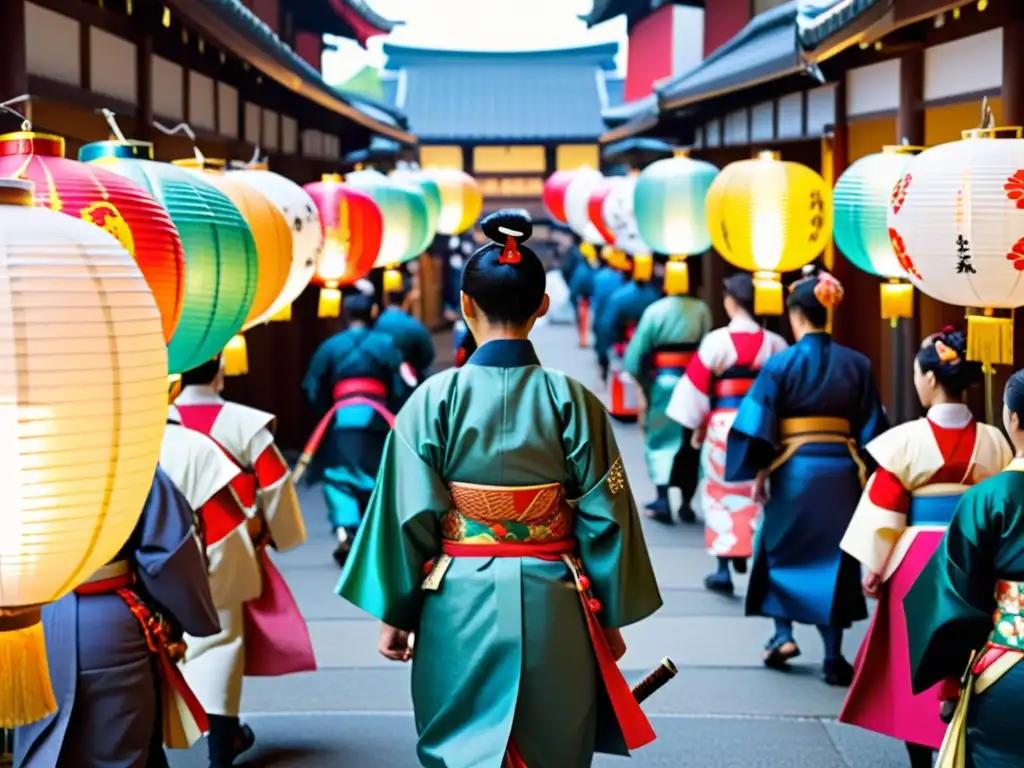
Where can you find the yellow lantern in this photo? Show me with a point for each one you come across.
(769, 216)
(461, 199)
(273, 237)
(83, 403)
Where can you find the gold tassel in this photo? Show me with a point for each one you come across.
(330, 303)
(767, 293)
(393, 280)
(283, 315)
(897, 301)
(173, 387)
(26, 694)
(643, 267)
(236, 357)
(990, 339)
(677, 276)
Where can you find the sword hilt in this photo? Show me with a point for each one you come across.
(655, 680)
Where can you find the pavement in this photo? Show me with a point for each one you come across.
(724, 710)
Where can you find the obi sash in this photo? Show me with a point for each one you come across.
(727, 394)
(794, 433)
(357, 391)
(933, 505)
(673, 358)
(184, 719)
(534, 521)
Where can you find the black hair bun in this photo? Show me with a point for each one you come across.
(955, 340)
(508, 222)
(945, 354)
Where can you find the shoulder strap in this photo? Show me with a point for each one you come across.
(201, 418)
(748, 347)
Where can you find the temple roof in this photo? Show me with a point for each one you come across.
(486, 96)
(818, 20)
(237, 29)
(354, 19)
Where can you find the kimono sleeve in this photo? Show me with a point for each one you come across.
(400, 532)
(606, 524)
(949, 608)
(753, 440)
(316, 373)
(871, 418)
(276, 496)
(878, 522)
(170, 566)
(690, 404)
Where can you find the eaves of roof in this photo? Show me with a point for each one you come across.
(631, 110)
(819, 20)
(636, 145)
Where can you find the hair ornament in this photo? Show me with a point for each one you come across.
(828, 291)
(510, 253)
(947, 355)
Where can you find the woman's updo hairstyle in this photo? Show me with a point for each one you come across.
(505, 278)
(814, 295)
(945, 355)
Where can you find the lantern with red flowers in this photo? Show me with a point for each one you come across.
(109, 201)
(353, 231)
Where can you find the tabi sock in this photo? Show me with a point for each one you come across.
(832, 637)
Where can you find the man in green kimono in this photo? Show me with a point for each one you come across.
(511, 667)
(665, 340)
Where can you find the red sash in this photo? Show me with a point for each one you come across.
(669, 360)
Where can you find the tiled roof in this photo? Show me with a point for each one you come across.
(764, 49)
(636, 145)
(616, 90)
(631, 110)
(481, 96)
(820, 19)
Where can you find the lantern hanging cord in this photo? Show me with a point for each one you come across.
(7, 106)
(187, 130)
(111, 119)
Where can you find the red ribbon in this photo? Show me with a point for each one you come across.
(510, 254)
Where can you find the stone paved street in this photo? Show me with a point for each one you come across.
(724, 710)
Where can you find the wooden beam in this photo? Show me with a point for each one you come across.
(144, 88)
(13, 55)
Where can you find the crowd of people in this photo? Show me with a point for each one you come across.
(465, 502)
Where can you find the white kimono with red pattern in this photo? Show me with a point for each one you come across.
(707, 397)
(263, 634)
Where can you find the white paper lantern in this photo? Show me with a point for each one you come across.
(307, 235)
(83, 402)
(577, 198)
(620, 217)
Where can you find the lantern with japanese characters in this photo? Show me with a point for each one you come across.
(353, 232)
(83, 403)
(861, 201)
(669, 201)
(303, 219)
(554, 194)
(956, 221)
(768, 216)
(577, 198)
(273, 240)
(461, 200)
(122, 208)
(222, 267)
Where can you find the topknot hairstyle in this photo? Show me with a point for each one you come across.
(814, 295)
(945, 355)
(505, 278)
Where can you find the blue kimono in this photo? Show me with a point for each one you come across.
(356, 379)
(607, 280)
(810, 412)
(104, 681)
(616, 317)
(581, 283)
(411, 337)
(569, 263)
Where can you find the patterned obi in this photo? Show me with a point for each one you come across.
(934, 504)
(1008, 618)
(488, 514)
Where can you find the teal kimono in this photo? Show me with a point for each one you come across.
(615, 320)
(502, 650)
(669, 332)
(411, 337)
(970, 598)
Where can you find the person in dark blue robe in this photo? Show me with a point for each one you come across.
(103, 672)
(410, 335)
(607, 279)
(356, 381)
(617, 318)
(569, 261)
(799, 434)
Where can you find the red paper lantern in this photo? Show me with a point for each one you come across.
(353, 232)
(595, 210)
(554, 194)
(109, 201)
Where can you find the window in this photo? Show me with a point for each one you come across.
(569, 157)
(441, 157)
(509, 160)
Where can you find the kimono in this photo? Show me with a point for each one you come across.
(356, 381)
(965, 620)
(662, 347)
(809, 412)
(581, 291)
(614, 326)
(265, 634)
(509, 498)
(606, 281)
(411, 337)
(110, 703)
(924, 466)
(722, 372)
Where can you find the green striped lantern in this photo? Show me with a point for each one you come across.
(431, 195)
(860, 202)
(221, 267)
(406, 218)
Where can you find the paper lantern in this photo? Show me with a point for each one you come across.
(405, 216)
(461, 200)
(620, 218)
(860, 207)
(431, 196)
(577, 198)
(221, 264)
(595, 208)
(768, 216)
(83, 403)
(956, 221)
(554, 194)
(353, 233)
(300, 212)
(107, 200)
